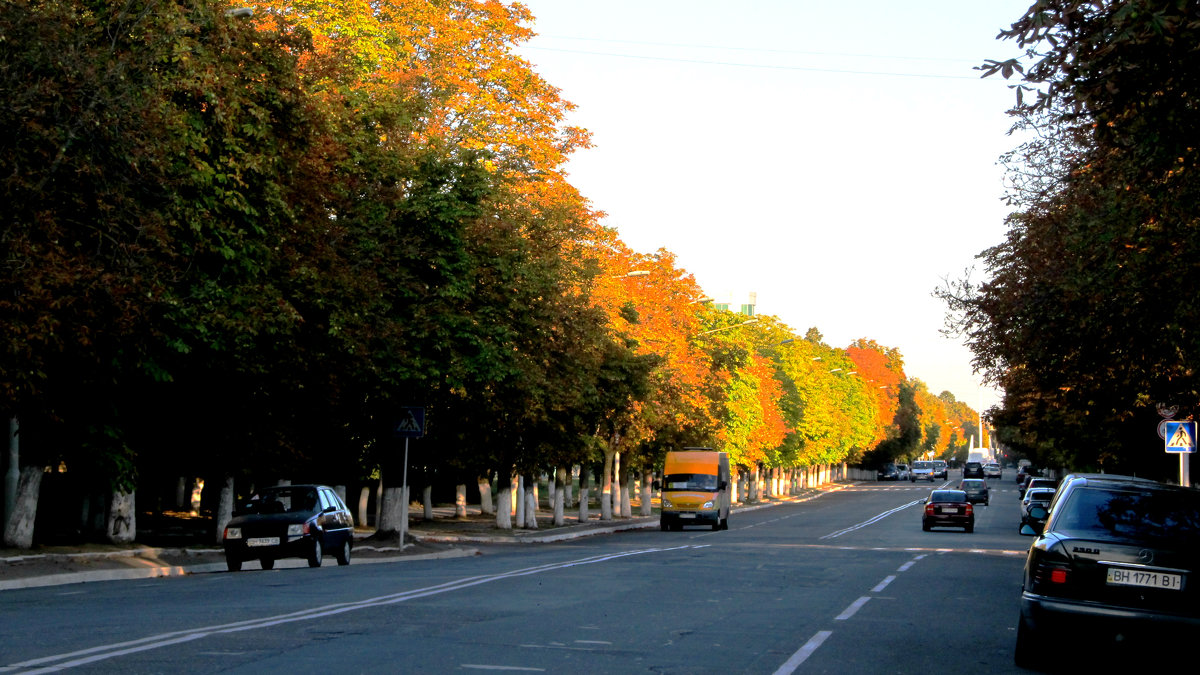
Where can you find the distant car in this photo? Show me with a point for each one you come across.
(289, 521)
(948, 508)
(973, 470)
(993, 470)
(903, 472)
(887, 472)
(1037, 497)
(976, 489)
(941, 469)
(1117, 555)
(921, 471)
(1033, 483)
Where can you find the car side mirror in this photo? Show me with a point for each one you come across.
(1030, 531)
(329, 509)
(656, 485)
(1038, 512)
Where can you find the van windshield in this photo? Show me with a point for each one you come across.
(689, 481)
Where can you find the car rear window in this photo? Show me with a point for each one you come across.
(1130, 514)
(972, 483)
(948, 496)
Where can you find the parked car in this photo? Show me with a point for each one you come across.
(1037, 497)
(976, 489)
(1036, 483)
(887, 472)
(921, 471)
(973, 470)
(903, 472)
(993, 470)
(1117, 556)
(289, 521)
(948, 508)
(941, 470)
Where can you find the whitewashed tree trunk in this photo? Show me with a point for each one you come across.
(560, 497)
(504, 513)
(531, 509)
(606, 484)
(570, 487)
(224, 507)
(379, 502)
(460, 500)
(18, 531)
(364, 499)
(391, 512)
(427, 502)
(584, 476)
(486, 506)
(122, 518)
(646, 496)
(618, 482)
(520, 501)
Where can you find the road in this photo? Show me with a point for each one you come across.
(846, 582)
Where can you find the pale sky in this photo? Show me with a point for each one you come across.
(838, 159)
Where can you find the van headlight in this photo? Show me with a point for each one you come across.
(666, 503)
(707, 505)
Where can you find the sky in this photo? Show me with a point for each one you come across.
(840, 160)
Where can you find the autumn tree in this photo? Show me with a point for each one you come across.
(1079, 316)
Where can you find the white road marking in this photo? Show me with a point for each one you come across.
(803, 653)
(854, 607)
(478, 666)
(871, 520)
(884, 584)
(91, 655)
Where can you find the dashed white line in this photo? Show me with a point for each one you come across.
(883, 584)
(854, 607)
(803, 653)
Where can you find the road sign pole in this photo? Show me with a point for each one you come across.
(1185, 474)
(404, 498)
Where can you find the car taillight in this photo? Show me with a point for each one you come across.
(929, 509)
(970, 510)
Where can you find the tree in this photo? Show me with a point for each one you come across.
(1080, 318)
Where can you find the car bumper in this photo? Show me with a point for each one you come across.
(1046, 613)
(949, 521)
(691, 517)
(295, 548)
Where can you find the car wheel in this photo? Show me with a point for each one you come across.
(969, 529)
(315, 555)
(717, 525)
(234, 564)
(343, 556)
(925, 526)
(724, 523)
(1026, 653)
(267, 563)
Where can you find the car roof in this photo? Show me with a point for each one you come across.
(935, 492)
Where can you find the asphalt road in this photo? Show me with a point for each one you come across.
(844, 583)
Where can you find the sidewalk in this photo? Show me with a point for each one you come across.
(445, 536)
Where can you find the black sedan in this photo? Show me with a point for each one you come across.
(977, 490)
(948, 508)
(1117, 560)
(289, 521)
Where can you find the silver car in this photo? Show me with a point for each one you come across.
(921, 471)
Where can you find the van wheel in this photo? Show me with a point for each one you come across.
(724, 523)
(234, 564)
(716, 525)
(663, 525)
(267, 563)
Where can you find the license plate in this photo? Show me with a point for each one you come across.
(263, 541)
(948, 509)
(1123, 577)
(687, 515)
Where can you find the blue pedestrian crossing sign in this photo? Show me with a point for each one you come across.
(411, 424)
(1181, 436)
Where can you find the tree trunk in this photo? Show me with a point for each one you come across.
(391, 512)
(606, 483)
(364, 499)
(584, 474)
(570, 488)
(224, 507)
(122, 518)
(12, 475)
(520, 501)
(531, 509)
(560, 497)
(504, 513)
(427, 502)
(460, 500)
(486, 506)
(647, 495)
(626, 480)
(379, 502)
(18, 531)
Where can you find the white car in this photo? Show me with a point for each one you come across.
(922, 471)
(993, 470)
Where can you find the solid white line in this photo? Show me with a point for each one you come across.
(883, 584)
(478, 666)
(854, 607)
(872, 520)
(803, 653)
